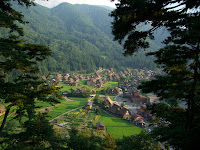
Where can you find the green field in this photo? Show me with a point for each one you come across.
(79, 98)
(118, 127)
(81, 83)
(67, 87)
(110, 84)
(62, 108)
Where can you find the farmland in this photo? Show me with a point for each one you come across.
(86, 119)
(118, 127)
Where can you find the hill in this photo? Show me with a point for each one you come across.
(79, 37)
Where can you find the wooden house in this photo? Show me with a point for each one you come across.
(139, 99)
(138, 120)
(99, 85)
(89, 83)
(2, 109)
(88, 105)
(71, 80)
(108, 102)
(117, 91)
(64, 93)
(78, 92)
(74, 84)
(124, 113)
(97, 74)
(115, 108)
(100, 126)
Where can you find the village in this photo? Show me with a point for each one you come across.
(122, 100)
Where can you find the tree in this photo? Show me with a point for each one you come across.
(138, 142)
(37, 134)
(179, 60)
(20, 57)
(109, 142)
(98, 111)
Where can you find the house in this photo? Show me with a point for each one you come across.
(100, 126)
(93, 92)
(64, 93)
(116, 76)
(99, 85)
(110, 77)
(76, 78)
(74, 84)
(78, 92)
(125, 113)
(81, 77)
(139, 99)
(2, 109)
(97, 74)
(71, 80)
(108, 102)
(88, 105)
(115, 108)
(138, 120)
(89, 83)
(146, 114)
(117, 91)
(59, 77)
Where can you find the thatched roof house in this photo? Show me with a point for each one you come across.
(100, 126)
(109, 102)
(124, 113)
(115, 108)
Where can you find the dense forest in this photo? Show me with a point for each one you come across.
(79, 37)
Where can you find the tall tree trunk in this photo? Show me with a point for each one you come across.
(191, 103)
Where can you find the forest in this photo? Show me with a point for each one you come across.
(79, 37)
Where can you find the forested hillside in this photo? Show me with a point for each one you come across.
(79, 37)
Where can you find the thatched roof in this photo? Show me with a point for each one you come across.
(115, 108)
(100, 124)
(109, 101)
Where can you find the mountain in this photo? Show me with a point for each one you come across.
(79, 37)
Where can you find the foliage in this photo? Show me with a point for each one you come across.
(98, 111)
(138, 142)
(37, 134)
(179, 60)
(79, 141)
(109, 142)
(22, 91)
(75, 35)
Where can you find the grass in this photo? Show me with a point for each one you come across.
(118, 127)
(105, 86)
(64, 107)
(79, 98)
(110, 84)
(67, 87)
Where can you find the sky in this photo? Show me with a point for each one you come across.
(53, 3)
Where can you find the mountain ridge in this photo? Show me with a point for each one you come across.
(79, 37)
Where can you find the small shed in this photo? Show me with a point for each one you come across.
(88, 105)
(100, 126)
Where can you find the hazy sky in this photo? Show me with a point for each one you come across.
(52, 3)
